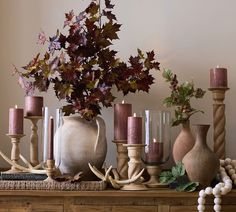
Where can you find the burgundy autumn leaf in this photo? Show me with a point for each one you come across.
(69, 17)
(108, 4)
(109, 15)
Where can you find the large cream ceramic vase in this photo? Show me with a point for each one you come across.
(183, 143)
(201, 163)
(82, 142)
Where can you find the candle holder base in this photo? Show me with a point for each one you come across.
(50, 171)
(134, 187)
(154, 172)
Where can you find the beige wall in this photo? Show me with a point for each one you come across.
(189, 37)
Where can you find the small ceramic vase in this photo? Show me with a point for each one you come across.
(201, 163)
(183, 143)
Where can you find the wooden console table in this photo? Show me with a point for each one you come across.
(162, 200)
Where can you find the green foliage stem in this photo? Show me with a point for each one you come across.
(180, 97)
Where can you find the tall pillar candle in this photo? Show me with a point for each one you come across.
(33, 105)
(218, 77)
(134, 130)
(121, 113)
(16, 123)
(51, 138)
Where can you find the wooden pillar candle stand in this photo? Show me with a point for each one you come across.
(219, 120)
(134, 167)
(218, 86)
(122, 159)
(34, 139)
(15, 151)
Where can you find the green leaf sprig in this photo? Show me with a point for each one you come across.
(180, 97)
(176, 178)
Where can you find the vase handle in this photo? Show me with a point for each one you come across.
(100, 133)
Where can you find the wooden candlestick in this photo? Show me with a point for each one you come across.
(50, 170)
(219, 120)
(122, 158)
(15, 151)
(34, 139)
(134, 166)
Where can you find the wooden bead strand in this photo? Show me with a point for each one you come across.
(228, 177)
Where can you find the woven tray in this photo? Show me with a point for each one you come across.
(61, 186)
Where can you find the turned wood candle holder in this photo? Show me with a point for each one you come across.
(134, 166)
(219, 120)
(15, 151)
(50, 170)
(153, 182)
(122, 158)
(34, 139)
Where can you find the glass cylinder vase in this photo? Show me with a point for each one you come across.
(157, 136)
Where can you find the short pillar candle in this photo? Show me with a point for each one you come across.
(33, 105)
(155, 152)
(16, 121)
(218, 77)
(134, 129)
(121, 113)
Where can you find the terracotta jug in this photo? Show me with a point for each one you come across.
(183, 143)
(82, 142)
(201, 163)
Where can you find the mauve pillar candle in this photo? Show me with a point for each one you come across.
(155, 151)
(134, 130)
(218, 77)
(33, 105)
(121, 114)
(16, 121)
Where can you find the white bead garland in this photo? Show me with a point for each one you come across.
(228, 176)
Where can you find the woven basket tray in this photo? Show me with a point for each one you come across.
(52, 185)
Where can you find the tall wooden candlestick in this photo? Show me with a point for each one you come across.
(219, 121)
(218, 86)
(34, 139)
(15, 151)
